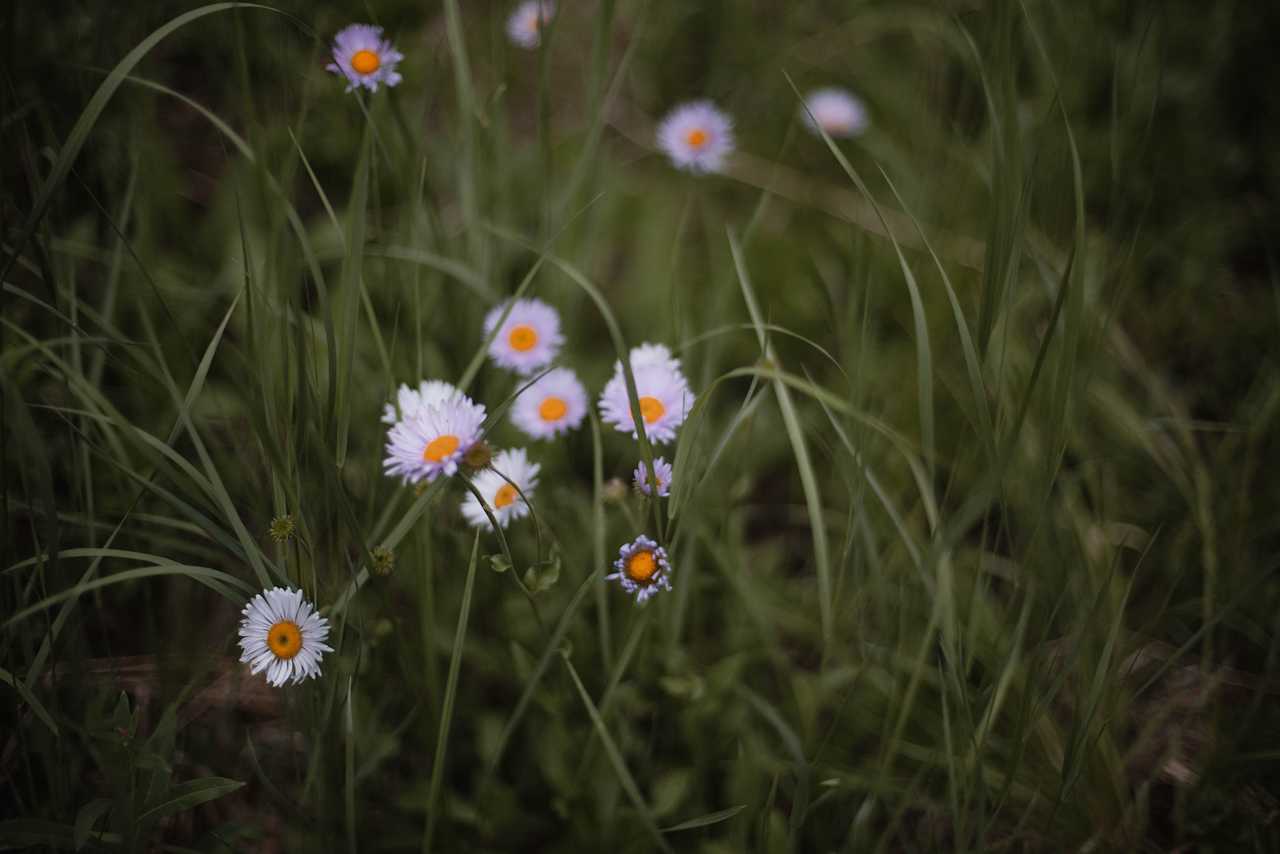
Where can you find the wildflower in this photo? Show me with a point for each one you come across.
(384, 560)
(556, 403)
(529, 338)
(364, 57)
(642, 568)
(615, 491)
(283, 634)
(697, 137)
(837, 111)
(662, 473)
(282, 528)
(524, 27)
(665, 397)
(505, 487)
(409, 401)
(433, 440)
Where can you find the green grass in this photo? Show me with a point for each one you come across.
(973, 527)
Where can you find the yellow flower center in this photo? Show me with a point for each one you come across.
(651, 409)
(365, 62)
(696, 138)
(522, 337)
(533, 23)
(552, 409)
(439, 448)
(641, 566)
(505, 497)
(284, 639)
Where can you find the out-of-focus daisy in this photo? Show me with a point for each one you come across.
(283, 634)
(665, 397)
(837, 111)
(503, 498)
(697, 136)
(662, 473)
(642, 568)
(555, 404)
(524, 27)
(433, 440)
(410, 400)
(653, 354)
(364, 57)
(529, 338)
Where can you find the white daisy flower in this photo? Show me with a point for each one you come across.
(642, 568)
(555, 404)
(409, 401)
(364, 57)
(653, 354)
(524, 27)
(433, 440)
(503, 498)
(837, 111)
(697, 137)
(662, 473)
(283, 634)
(530, 336)
(665, 397)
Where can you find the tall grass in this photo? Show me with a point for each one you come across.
(969, 554)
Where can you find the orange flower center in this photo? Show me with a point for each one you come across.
(284, 639)
(439, 448)
(552, 409)
(651, 409)
(505, 497)
(365, 62)
(641, 566)
(522, 337)
(696, 138)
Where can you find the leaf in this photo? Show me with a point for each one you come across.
(190, 794)
(87, 818)
(704, 820)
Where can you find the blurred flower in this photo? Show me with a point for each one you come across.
(662, 473)
(615, 491)
(642, 568)
(502, 497)
(555, 404)
(364, 57)
(697, 136)
(384, 561)
(433, 440)
(529, 338)
(283, 634)
(665, 398)
(282, 528)
(409, 401)
(524, 27)
(837, 111)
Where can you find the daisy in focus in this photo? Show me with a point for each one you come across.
(524, 27)
(529, 338)
(433, 440)
(837, 111)
(662, 474)
(495, 484)
(409, 401)
(283, 634)
(364, 57)
(697, 136)
(665, 397)
(555, 404)
(642, 568)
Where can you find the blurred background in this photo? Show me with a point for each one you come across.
(977, 551)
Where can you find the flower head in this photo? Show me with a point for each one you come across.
(665, 397)
(409, 401)
(282, 528)
(662, 473)
(642, 568)
(556, 403)
(697, 137)
(837, 111)
(433, 440)
(364, 57)
(283, 634)
(496, 485)
(529, 338)
(524, 27)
